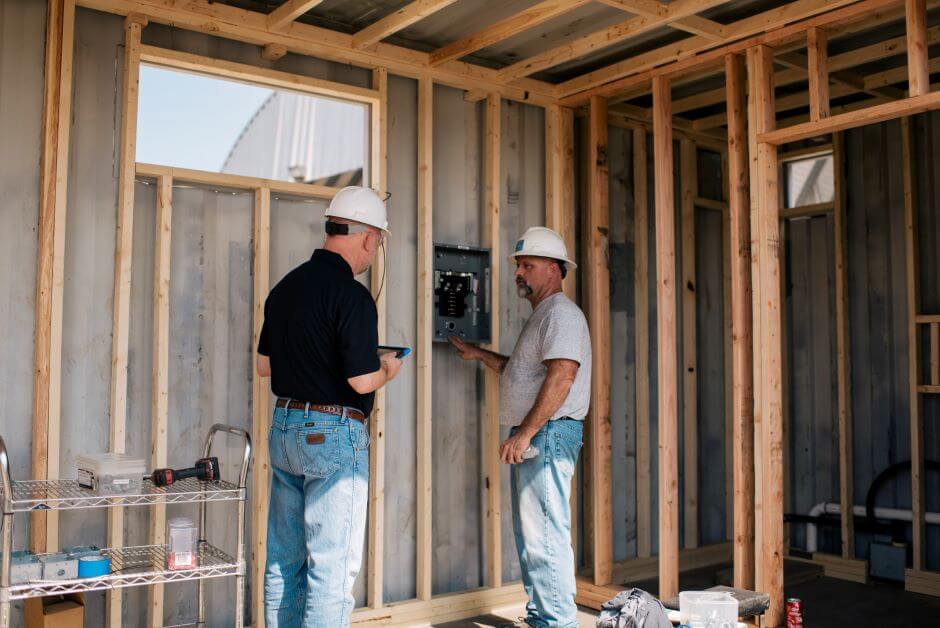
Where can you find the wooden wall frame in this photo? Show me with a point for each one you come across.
(758, 362)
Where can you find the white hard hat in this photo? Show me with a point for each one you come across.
(359, 204)
(542, 242)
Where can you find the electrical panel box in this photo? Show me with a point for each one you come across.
(461, 293)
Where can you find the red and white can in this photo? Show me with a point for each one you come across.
(794, 613)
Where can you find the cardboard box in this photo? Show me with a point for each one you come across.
(55, 611)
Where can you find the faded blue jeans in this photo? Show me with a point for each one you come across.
(541, 522)
(316, 519)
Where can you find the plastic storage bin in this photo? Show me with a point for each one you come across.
(708, 609)
(111, 474)
(181, 544)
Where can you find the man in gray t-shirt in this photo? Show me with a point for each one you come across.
(545, 387)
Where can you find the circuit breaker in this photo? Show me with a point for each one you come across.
(461, 293)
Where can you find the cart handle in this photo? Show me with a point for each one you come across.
(5, 477)
(234, 431)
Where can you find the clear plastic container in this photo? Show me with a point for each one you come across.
(110, 474)
(180, 544)
(708, 609)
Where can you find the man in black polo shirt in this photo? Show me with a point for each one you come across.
(318, 343)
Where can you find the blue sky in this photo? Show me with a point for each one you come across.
(191, 121)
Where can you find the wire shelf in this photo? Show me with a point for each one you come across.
(132, 567)
(30, 495)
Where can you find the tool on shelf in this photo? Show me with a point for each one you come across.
(205, 470)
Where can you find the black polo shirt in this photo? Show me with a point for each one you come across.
(320, 328)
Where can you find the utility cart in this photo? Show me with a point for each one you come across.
(130, 566)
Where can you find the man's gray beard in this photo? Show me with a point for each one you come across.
(523, 290)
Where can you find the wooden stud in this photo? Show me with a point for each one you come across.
(512, 25)
(918, 80)
(159, 409)
(666, 340)
(728, 367)
(818, 73)
(853, 119)
(742, 356)
(843, 353)
(912, 275)
(491, 440)
(397, 20)
(768, 325)
(47, 349)
(260, 404)
(289, 11)
(559, 215)
(123, 252)
(784, 228)
(641, 281)
(376, 531)
(689, 384)
(424, 335)
(596, 277)
(559, 178)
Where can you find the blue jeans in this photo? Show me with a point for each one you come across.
(316, 519)
(541, 522)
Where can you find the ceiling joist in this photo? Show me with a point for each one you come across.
(656, 10)
(504, 29)
(288, 12)
(620, 32)
(398, 20)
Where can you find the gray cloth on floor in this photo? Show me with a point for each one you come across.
(750, 603)
(633, 609)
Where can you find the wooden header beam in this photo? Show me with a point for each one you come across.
(251, 27)
(853, 119)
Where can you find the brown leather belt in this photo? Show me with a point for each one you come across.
(293, 404)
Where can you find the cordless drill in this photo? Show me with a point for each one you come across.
(206, 470)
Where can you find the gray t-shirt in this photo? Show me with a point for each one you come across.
(557, 329)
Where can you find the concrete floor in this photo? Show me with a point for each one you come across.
(827, 603)
(586, 618)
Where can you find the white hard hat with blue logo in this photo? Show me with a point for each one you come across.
(542, 242)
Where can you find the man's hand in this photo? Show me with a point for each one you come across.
(510, 452)
(391, 365)
(465, 350)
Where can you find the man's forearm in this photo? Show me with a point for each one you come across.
(551, 395)
(493, 360)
